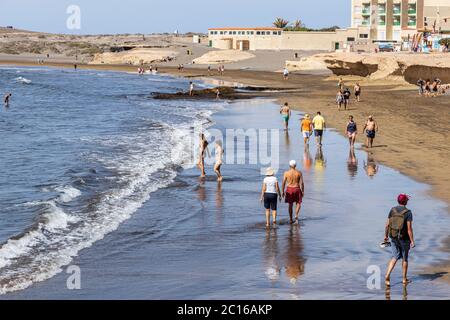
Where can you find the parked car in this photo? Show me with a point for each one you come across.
(385, 47)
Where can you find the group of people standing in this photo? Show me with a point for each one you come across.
(430, 88)
(343, 95)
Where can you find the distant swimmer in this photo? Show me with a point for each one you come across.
(319, 127)
(285, 112)
(351, 130)
(217, 94)
(203, 149)
(191, 89)
(269, 195)
(75, 66)
(370, 128)
(219, 162)
(6, 99)
(307, 128)
(293, 189)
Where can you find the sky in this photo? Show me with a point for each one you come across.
(156, 16)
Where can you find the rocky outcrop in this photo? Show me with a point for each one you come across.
(406, 66)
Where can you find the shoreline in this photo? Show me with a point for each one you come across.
(408, 154)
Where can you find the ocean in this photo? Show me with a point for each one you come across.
(97, 175)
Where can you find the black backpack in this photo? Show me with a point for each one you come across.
(397, 223)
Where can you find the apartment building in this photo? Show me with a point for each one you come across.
(394, 20)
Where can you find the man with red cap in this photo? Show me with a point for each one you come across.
(399, 230)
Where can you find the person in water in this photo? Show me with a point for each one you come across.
(352, 131)
(191, 89)
(293, 189)
(307, 128)
(269, 195)
(203, 149)
(399, 229)
(219, 162)
(370, 128)
(285, 112)
(6, 99)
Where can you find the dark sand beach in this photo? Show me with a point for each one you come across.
(197, 239)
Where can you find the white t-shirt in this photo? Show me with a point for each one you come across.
(270, 183)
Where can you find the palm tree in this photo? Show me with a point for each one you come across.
(298, 24)
(280, 23)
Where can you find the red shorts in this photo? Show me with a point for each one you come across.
(293, 195)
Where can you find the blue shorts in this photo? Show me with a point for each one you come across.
(400, 249)
(370, 133)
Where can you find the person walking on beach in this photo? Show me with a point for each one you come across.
(347, 94)
(203, 149)
(370, 128)
(357, 89)
(341, 84)
(319, 127)
(217, 94)
(285, 112)
(399, 229)
(293, 189)
(209, 70)
(339, 99)
(286, 74)
(6, 99)
(269, 195)
(218, 164)
(191, 89)
(307, 129)
(352, 131)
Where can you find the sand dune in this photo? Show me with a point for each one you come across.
(223, 56)
(133, 57)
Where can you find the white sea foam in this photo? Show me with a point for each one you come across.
(68, 193)
(23, 80)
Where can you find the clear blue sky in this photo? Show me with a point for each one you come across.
(147, 16)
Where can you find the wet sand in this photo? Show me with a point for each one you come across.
(414, 131)
(198, 239)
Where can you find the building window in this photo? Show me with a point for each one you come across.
(412, 8)
(366, 9)
(350, 39)
(221, 32)
(396, 21)
(412, 21)
(258, 33)
(397, 9)
(234, 32)
(364, 36)
(382, 21)
(279, 33)
(382, 8)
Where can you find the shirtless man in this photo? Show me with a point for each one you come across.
(370, 128)
(293, 189)
(285, 112)
(6, 99)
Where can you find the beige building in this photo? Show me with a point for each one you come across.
(394, 20)
(276, 39)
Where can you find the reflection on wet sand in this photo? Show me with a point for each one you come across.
(272, 269)
(387, 293)
(307, 159)
(352, 164)
(291, 255)
(370, 166)
(295, 262)
(219, 203)
(201, 190)
(287, 139)
(319, 168)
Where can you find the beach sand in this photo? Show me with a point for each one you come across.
(414, 131)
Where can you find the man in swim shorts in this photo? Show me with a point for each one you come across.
(319, 127)
(293, 189)
(6, 99)
(307, 128)
(285, 112)
(371, 127)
